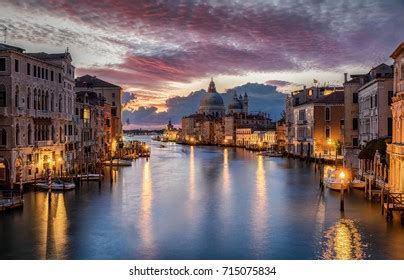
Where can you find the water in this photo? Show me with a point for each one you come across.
(201, 203)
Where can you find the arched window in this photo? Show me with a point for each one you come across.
(327, 114)
(17, 134)
(29, 135)
(52, 102)
(61, 135)
(35, 100)
(29, 99)
(46, 101)
(17, 96)
(3, 137)
(327, 132)
(43, 101)
(3, 95)
(60, 103)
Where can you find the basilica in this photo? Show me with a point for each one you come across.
(212, 124)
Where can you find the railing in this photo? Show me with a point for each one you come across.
(4, 111)
(44, 143)
(395, 201)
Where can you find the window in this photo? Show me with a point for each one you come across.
(17, 135)
(371, 101)
(355, 97)
(355, 142)
(113, 112)
(327, 113)
(376, 100)
(16, 65)
(17, 96)
(43, 73)
(28, 69)
(34, 70)
(60, 78)
(29, 99)
(3, 96)
(113, 103)
(390, 97)
(2, 64)
(113, 95)
(51, 76)
(29, 135)
(327, 132)
(46, 74)
(355, 123)
(3, 137)
(389, 127)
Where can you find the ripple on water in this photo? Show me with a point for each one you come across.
(343, 241)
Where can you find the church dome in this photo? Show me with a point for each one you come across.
(212, 103)
(211, 99)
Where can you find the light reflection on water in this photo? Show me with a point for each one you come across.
(343, 241)
(201, 203)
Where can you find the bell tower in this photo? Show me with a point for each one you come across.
(245, 103)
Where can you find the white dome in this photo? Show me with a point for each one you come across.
(212, 103)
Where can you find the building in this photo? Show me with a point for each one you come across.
(351, 119)
(395, 150)
(375, 120)
(304, 98)
(316, 122)
(213, 125)
(280, 133)
(112, 95)
(36, 114)
(170, 134)
(90, 130)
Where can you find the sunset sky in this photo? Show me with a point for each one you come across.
(162, 49)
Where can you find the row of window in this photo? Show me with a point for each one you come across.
(34, 70)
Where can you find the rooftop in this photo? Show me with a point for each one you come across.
(398, 51)
(49, 56)
(88, 81)
(5, 47)
(336, 97)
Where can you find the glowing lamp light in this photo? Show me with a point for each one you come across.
(342, 175)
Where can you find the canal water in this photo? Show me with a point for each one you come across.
(201, 203)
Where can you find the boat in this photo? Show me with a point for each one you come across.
(56, 185)
(119, 162)
(90, 177)
(163, 146)
(332, 181)
(358, 184)
(274, 154)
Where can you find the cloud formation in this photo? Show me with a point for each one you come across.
(159, 42)
(262, 98)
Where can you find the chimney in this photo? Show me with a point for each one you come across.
(345, 77)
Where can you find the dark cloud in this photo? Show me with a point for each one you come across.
(183, 40)
(263, 98)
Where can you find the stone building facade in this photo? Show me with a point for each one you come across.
(395, 150)
(36, 109)
(112, 96)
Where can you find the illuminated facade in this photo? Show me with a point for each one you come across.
(210, 125)
(36, 114)
(395, 150)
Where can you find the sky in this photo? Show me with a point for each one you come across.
(161, 50)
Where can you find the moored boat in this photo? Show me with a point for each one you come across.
(90, 177)
(56, 186)
(332, 181)
(358, 184)
(119, 162)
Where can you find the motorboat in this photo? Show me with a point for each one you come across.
(358, 184)
(119, 162)
(332, 181)
(56, 185)
(90, 177)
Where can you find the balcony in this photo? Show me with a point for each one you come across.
(44, 143)
(4, 111)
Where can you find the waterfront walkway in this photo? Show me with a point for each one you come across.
(10, 200)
